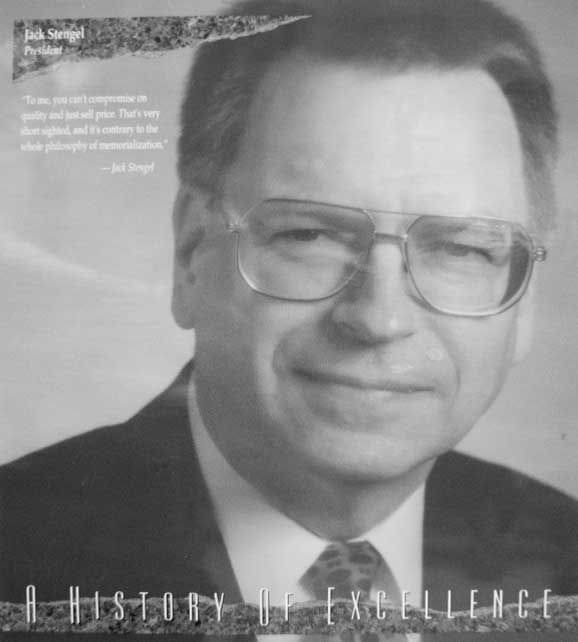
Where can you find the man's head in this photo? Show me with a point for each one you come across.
(374, 111)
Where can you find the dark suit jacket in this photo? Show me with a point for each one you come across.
(126, 508)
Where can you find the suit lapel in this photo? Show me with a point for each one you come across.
(487, 527)
(191, 536)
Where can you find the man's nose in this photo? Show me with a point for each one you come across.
(377, 306)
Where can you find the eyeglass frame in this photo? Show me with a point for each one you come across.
(538, 254)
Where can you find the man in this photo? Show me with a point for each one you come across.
(361, 196)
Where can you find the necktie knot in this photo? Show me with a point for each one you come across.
(347, 566)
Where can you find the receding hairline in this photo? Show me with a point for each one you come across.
(302, 66)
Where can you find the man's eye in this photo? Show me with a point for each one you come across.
(302, 235)
(460, 249)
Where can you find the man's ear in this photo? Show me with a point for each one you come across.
(525, 325)
(188, 231)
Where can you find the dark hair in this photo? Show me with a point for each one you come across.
(394, 33)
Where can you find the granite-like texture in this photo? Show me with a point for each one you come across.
(306, 619)
(108, 37)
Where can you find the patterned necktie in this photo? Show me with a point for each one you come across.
(350, 566)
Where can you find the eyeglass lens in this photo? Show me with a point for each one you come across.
(306, 251)
(467, 265)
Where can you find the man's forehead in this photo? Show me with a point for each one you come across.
(381, 135)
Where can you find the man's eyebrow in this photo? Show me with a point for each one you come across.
(320, 210)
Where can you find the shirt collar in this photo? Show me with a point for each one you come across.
(267, 549)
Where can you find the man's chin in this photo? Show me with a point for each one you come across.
(358, 456)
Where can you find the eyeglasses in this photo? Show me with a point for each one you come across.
(306, 251)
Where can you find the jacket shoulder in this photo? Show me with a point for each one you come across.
(492, 522)
(464, 485)
(73, 511)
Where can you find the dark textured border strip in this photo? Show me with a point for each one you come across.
(308, 618)
(39, 44)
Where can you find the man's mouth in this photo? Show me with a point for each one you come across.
(384, 384)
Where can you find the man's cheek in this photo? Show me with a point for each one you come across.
(483, 371)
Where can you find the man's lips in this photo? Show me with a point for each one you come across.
(397, 385)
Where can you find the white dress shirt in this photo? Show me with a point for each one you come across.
(267, 549)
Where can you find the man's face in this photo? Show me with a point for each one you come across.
(370, 383)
